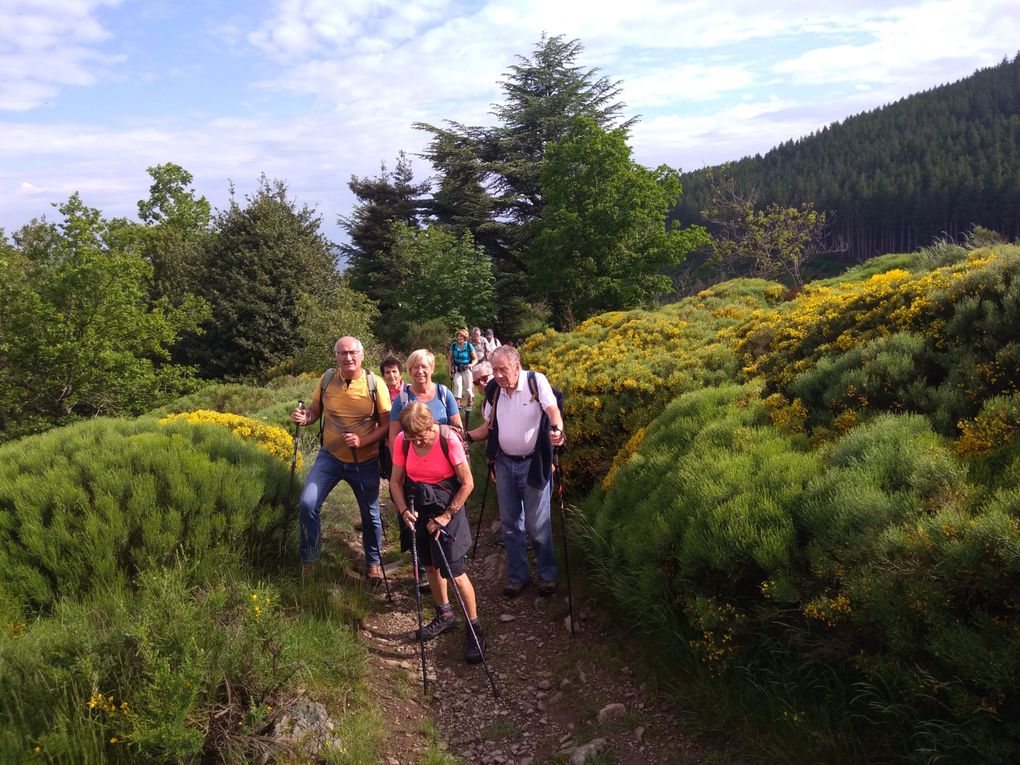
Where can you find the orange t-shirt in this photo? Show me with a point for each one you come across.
(347, 407)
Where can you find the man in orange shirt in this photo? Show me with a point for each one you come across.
(356, 419)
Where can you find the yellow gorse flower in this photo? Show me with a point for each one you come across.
(273, 439)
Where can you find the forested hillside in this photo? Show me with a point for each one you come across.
(896, 178)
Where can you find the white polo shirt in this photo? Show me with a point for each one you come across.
(518, 416)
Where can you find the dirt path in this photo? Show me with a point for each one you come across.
(562, 699)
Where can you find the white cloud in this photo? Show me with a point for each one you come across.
(333, 86)
(690, 82)
(46, 45)
(907, 44)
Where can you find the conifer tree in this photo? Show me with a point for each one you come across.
(261, 260)
(543, 93)
(391, 197)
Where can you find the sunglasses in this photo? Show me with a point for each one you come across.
(482, 380)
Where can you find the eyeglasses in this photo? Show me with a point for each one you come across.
(482, 379)
(352, 354)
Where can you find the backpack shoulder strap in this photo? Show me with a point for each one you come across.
(532, 385)
(444, 394)
(372, 392)
(444, 439)
(327, 377)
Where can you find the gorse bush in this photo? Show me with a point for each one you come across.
(700, 516)
(850, 507)
(277, 441)
(619, 370)
(262, 403)
(938, 342)
(724, 535)
(95, 503)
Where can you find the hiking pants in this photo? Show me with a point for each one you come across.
(325, 474)
(524, 507)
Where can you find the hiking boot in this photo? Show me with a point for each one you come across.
(474, 651)
(374, 574)
(440, 624)
(546, 588)
(306, 572)
(513, 589)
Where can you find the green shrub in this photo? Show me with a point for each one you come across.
(700, 516)
(171, 672)
(741, 550)
(234, 398)
(94, 503)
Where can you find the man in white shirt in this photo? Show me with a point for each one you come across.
(527, 424)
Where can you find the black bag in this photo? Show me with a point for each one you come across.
(385, 461)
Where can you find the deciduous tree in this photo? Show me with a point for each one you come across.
(602, 241)
(440, 276)
(769, 242)
(176, 226)
(78, 334)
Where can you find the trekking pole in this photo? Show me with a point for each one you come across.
(481, 511)
(297, 442)
(357, 470)
(417, 601)
(563, 530)
(460, 599)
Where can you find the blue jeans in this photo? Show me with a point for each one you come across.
(524, 507)
(326, 473)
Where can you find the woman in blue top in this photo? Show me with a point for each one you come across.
(421, 364)
(462, 357)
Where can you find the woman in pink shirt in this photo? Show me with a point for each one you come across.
(430, 465)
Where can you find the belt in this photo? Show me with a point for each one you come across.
(518, 457)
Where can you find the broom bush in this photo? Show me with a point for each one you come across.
(95, 503)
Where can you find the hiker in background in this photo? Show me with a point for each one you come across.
(430, 465)
(479, 344)
(392, 373)
(354, 421)
(421, 365)
(461, 358)
(523, 423)
(491, 343)
(481, 373)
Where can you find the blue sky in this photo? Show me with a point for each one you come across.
(92, 92)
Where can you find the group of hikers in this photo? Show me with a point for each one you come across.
(414, 431)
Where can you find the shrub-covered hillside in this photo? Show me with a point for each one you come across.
(136, 622)
(816, 496)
